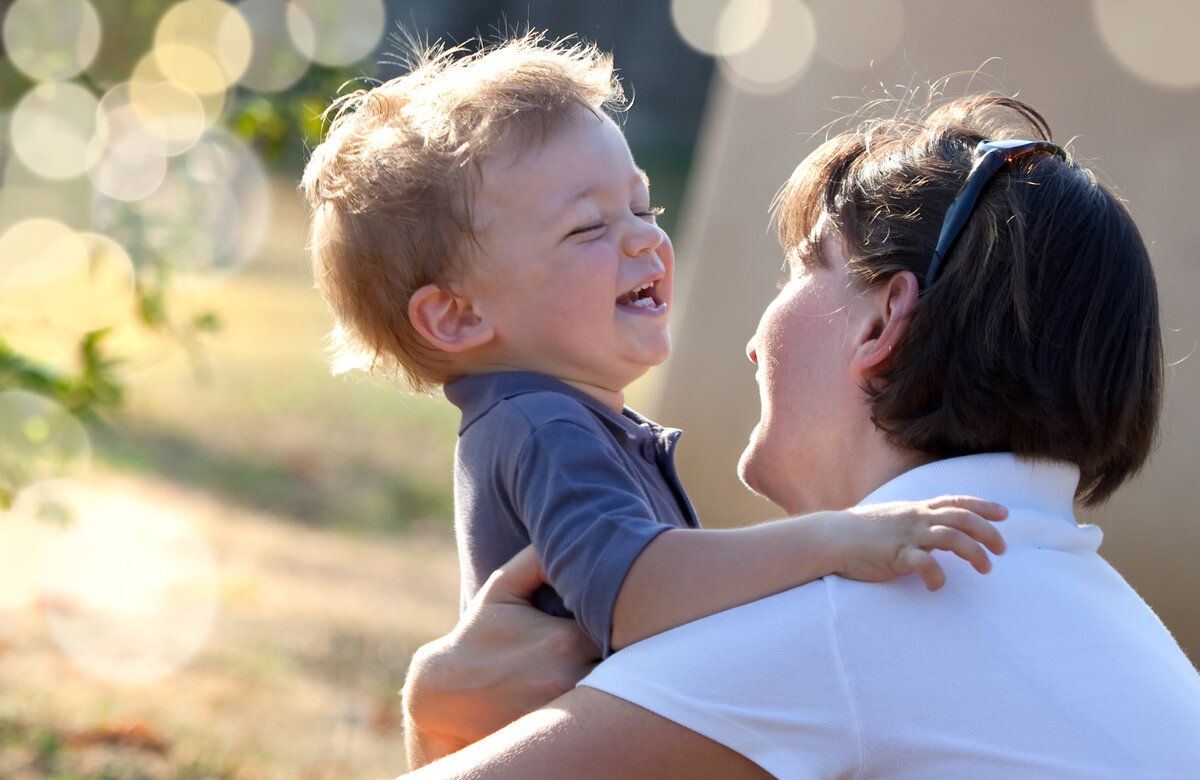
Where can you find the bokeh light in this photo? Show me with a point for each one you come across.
(741, 25)
(26, 194)
(192, 68)
(90, 286)
(275, 63)
(23, 542)
(39, 440)
(171, 110)
(130, 591)
(51, 40)
(777, 59)
(205, 44)
(720, 27)
(336, 32)
(24, 249)
(851, 34)
(1153, 39)
(131, 161)
(207, 218)
(79, 282)
(52, 129)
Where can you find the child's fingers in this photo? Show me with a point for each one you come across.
(988, 510)
(925, 566)
(944, 537)
(973, 525)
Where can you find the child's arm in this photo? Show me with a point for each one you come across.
(685, 574)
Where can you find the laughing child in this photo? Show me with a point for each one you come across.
(480, 225)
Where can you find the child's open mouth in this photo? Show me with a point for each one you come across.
(644, 297)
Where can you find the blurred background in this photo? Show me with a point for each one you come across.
(215, 557)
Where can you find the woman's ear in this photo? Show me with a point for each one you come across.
(886, 322)
(447, 320)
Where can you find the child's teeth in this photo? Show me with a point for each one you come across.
(635, 298)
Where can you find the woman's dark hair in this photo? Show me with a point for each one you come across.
(1040, 336)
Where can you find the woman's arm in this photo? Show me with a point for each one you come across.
(503, 660)
(589, 734)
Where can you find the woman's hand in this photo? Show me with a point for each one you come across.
(503, 660)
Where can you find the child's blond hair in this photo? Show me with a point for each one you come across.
(390, 187)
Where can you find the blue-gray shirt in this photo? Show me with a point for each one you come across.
(539, 461)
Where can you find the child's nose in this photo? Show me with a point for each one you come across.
(642, 237)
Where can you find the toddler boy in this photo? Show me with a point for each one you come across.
(479, 224)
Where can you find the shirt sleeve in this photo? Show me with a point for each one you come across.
(764, 679)
(588, 519)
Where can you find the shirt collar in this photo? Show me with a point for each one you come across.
(475, 394)
(1042, 486)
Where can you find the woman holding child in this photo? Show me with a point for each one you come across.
(968, 312)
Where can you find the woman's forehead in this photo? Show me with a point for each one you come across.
(814, 249)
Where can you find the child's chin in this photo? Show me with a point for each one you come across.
(660, 356)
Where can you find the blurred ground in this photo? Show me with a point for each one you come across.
(299, 678)
(325, 504)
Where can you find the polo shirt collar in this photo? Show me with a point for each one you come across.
(475, 394)
(1041, 486)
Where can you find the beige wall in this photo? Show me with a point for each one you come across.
(1143, 138)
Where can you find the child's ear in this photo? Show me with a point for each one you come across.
(447, 320)
(884, 322)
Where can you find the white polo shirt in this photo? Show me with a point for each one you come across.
(1051, 666)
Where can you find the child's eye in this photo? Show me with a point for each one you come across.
(649, 214)
(586, 229)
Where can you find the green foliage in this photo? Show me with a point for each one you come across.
(47, 749)
(283, 128)
(280, 128)
(94, 385)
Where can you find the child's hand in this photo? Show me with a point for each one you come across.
(880, 542)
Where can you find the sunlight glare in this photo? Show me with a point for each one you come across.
(130, 588)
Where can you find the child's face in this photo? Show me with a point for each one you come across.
(571, 270)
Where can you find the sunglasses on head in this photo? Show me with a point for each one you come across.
(990, 157)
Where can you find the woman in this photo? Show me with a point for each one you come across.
(968, 312)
